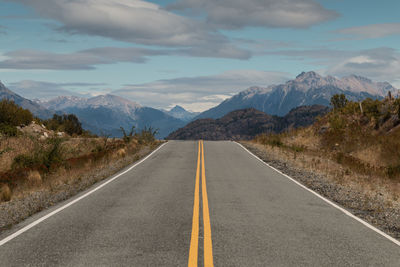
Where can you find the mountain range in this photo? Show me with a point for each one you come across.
(309, 88)
(245, 124)
(35, 108)
(105, 114)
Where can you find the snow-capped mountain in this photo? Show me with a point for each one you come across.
(181, 113)
(110, 101)
(107, 113)
(309, 88)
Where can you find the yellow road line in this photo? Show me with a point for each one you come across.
(208, 254)
(194, 240)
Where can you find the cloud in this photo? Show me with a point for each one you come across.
(322, 53)
(371, 31)
(132, 21)
(236, 14)
(81, 60)
(198, 93)
(382, 64)
(88, 59)
(138, 22)
(47, 90)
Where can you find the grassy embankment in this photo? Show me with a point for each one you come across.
(353, 145)
(59, 155)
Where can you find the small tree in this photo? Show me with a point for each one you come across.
(105, 136)
(13, 115)
(128, 137)
(66, 122)
(338, 101)
(147, 135)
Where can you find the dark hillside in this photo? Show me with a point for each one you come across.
(245, 124)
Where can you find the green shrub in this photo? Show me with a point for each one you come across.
(338, 101)
(68, 123)
(8, 130)
(41, 157)
(269, 139)
(336, 122)
(372, 108)
(25, 161)
(13, 115)
(53, 155)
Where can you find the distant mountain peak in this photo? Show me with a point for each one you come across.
(360, 78)
(181, 113)
(308, 88)
(308, 75)
(177, 108)
(115, 101)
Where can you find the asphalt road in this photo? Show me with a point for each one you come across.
(145, 217)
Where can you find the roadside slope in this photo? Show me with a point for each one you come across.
(144, 218)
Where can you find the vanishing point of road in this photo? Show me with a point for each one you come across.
(196, 204)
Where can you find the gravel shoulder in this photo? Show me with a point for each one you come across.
(18, 209)
(373, 208)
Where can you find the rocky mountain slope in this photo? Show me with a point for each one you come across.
(33, 107)
(105, 114)
(181, 113)
(245, 124)
(308, 88)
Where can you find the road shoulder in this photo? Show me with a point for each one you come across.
(373, 210)
(19, 209)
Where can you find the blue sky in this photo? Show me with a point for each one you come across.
(194, 53)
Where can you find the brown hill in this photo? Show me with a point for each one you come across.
(245, 124)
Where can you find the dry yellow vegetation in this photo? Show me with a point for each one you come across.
(359, 148)
(29, 163)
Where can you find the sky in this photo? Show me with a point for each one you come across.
(193, 53)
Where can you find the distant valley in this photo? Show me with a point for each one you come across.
(105, 114)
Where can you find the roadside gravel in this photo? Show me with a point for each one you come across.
(372, 208)
(18, 209)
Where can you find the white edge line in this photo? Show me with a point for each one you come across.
(397, 242)
(29, 226)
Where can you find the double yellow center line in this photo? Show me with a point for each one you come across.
(194, 240)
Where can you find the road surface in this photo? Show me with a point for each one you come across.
(158, 214)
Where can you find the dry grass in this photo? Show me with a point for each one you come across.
(12, 147)
(74, 158)
(322, 165)
(5, 193)
(34, 178)
(350, 148)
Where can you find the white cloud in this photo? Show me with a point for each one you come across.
(132, 21)
(381, 64)
(371, 31)
(85, 59)
(234, 14)
(198, 93)
(139, 22)
(47, 90)
(89, 58)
